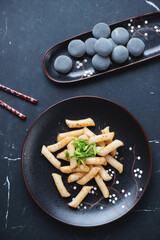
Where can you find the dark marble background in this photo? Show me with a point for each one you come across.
(27, 30)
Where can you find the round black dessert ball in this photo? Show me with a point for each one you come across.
(100, 63)
(120, 54)
(120, 35)
(89, 44)
(76, 48)
(112, 42)
(101, 30)
(135, 47)
(63, 64)
(103, 47)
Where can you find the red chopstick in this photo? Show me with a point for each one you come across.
(14, 111)
(18, 94)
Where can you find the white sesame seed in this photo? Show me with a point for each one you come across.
(138, 157)
(101, 207)
(139, 26)
(113, 202)
(155, 27)
(110, 200)
(140, 189)
(125, 194)
(140, 171)
(135, 175)
(135, 170)
(129, 193)
(139, 176)
(130, 148)
(129, 24)
(85, 207)
(123, 206)
(145, 34)
(117, 182)
(74, 187)
(145, 21)
(157, 30)
(132, 30)
(116, 199)
(131, 20)
(123, 190)
(132, 27)
(113, 195)
(95, 188)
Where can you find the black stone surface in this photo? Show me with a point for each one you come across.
(27, 29)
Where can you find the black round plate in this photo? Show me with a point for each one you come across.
(125, 189)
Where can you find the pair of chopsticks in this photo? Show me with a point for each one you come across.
(18, 94)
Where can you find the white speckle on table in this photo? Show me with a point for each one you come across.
(139, 26)
(131, 20)
(129, 193)
(80, 64)
(92, 191)
(140, 189)
(151, 93)
(132, 30)
(85, 207)
(139, 158)
(115, 157)
(113, 202)
(146, 22)
(154, 141)
(130, 148)
(78, 207)
(153, 5)
(129, 24)
(139, 176)
(155, 27)
(116, 199)
(123, 191)
(126, 195)
(12, 159)
(75, 187)
(123, 206)
(72, 199)
(101, 207)
(135, 170)
(85, 60)
(140, 171)
(117, 153)
(110, 196)
(146, 34)
(110, 200)
(113, 195)
(132, 27)
(135, 174)
(8, 199)
(117, 182)
(95, 188)
(111, 175)
(10, 42)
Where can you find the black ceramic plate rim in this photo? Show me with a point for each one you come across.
(96, 97)
(101, 73)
